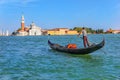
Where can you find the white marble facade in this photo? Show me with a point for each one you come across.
(34, 30)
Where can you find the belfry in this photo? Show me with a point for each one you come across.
(22, 24)
(28, 30)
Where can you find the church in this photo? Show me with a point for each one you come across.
(34, 30)
(31, 30)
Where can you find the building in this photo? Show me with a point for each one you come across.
(34, 30)
(61, 31)
(22, 31)
(27, 31)
(116, 31)
(113, 31)
(71, 32)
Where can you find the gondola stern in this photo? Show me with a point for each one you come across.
(49, 42)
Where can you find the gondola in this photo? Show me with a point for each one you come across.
(88, 50)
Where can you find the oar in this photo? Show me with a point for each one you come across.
(90, 43)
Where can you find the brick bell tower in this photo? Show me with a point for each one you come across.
(22, 24)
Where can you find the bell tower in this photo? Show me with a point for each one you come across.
(22, 23)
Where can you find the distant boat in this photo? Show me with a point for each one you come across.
(87, 50)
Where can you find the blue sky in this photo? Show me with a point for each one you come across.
(96, 14)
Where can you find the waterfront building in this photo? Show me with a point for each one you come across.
(22, 24)
(116, 31)
(21, 31)
(57, 31)
(34, 30)
(71, 32)
(26, 31)
(61, 31)
(113, 31)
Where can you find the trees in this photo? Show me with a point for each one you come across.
(99, 31)
(89, 30)
(78, 29)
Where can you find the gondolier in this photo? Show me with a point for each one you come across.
(85, 39)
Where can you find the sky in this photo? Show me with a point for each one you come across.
(48, 14)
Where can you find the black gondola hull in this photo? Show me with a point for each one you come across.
(87, 50)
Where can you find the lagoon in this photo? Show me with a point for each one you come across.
(30, 58)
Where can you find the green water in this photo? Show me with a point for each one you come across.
(30, 58)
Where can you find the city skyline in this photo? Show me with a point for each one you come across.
(48, 14)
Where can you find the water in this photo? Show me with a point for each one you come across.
(30, 58)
